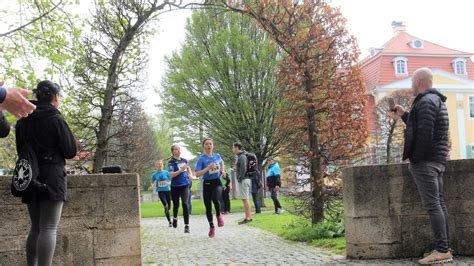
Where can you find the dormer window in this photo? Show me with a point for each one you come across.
(459, 66)
(417, 44)
(400, 65)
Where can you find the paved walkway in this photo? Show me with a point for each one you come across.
(234, 244)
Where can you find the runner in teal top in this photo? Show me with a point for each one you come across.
(161, 181)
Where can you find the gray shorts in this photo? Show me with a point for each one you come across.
(245, 186)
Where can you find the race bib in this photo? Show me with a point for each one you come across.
(181, 165)
(162, 183)
(215, 170)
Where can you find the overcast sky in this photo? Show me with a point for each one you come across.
(447, 23)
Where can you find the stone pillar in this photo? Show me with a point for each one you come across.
(384, 217)
(100, 223)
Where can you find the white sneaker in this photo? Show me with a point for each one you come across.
(279, 211)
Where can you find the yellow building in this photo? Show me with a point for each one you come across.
(390, 67)
(460, 104)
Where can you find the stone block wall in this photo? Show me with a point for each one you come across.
(100, 223)
(384, 217)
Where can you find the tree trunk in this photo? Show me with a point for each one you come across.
(110, 90)
(389, 139)
(104, 123)
(317, 206)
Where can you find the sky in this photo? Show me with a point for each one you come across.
(446, 23)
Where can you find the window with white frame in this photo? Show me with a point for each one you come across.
(459, 66)
(471, 107)
(400, 65)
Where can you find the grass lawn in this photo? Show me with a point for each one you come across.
(155, 209)
(286, 226)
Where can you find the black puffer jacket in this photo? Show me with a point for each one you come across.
(426, 135)
(53, 142)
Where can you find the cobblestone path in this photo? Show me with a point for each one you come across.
(235, 245)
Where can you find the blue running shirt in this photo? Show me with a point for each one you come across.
(162, 179)
(204, 161)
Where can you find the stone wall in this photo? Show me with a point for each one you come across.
(384, 217)
(100, 223)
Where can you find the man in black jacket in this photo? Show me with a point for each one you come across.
(426, 146)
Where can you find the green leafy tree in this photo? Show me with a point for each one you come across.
(110, 67)
(40, 43)
(222, 84)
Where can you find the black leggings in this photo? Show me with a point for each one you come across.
(165, 197)
(180, 192)
(212, 192)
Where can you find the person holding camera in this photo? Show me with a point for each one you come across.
(48, 134)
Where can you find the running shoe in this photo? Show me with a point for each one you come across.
(186, 229)
(245, 221)
(175, 222)
(171, 224)
(212, 232)
(220, 221)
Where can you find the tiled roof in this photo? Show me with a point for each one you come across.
(400, 44)
(378, 69)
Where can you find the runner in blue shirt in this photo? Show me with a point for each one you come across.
(211, 166)
(181, 177)
(161, 181)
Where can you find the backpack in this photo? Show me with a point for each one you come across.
(252, 164)
(25, 175)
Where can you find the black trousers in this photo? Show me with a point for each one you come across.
(254, 192)
(212, 191)
(274, 195)
(180, 192)
(226, 200)
(165, 198)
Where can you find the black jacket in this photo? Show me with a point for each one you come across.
(4, 126)
(53, 142)
(426, 134)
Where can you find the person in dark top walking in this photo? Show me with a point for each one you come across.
(274, 183)
(46, 131)
(426, 146)
(227, 185)
(181, 176)
(161, 181)
(244, 180)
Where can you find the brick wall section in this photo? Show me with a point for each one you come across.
(384, 217)
(100, 223)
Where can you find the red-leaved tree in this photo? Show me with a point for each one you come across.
(322, 82)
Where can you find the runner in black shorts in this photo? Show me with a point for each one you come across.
(211, 166)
